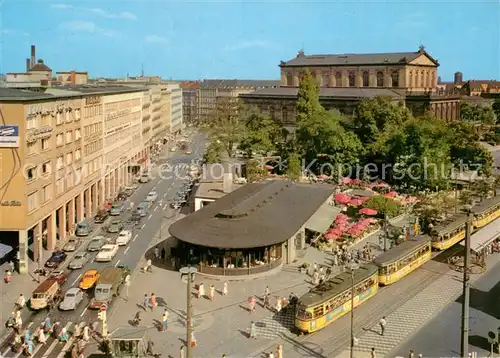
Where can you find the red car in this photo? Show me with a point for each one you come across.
(59, 276)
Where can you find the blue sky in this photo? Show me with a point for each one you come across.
(242, 39)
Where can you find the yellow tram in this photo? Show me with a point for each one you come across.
(449, 233)
(330, 300)
(399, 261)
(485, 212)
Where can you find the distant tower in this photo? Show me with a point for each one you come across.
(439, 80)
(142, 70)
(459, 77)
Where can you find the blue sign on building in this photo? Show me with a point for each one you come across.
(9, 137)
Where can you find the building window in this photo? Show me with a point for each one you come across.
(338, 79)
(380, 79)
(59, 140)
(46, 168)
(32, 202)
(46, 193)
(366, 79)
(352, 79)
(326, 79)
(31, 173)
(45, 143)
(69, 180)
(78, 154)
(69, 158)
(78, 134)
(410, 82)
(422, 79)
(59, 186)
(31, 148)
(69, 136)
(31, 122)
(59, 162)
(289, 79)
(59, 118)
(433, 79)
(284, 114)
(395, 78)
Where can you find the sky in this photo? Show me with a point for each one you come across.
(243, 39)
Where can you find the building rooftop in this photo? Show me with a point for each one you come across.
(213, 190)
(352, 59)
(40, 66)
(349, 92)
(221, 83)
(256, 215)
(19, 95)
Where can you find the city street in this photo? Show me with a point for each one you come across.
(129, 255)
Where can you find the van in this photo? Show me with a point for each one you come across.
(46, 295)
(108, 286)
(142, 208)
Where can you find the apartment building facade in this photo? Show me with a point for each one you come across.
(176, 108)
(189, 99)
(69, 151)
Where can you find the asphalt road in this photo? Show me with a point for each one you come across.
(483, 317)
(173, 172)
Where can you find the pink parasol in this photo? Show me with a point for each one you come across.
(268, 167)
(342, 198)
(368, 211)
(381, 185)
(391, 194)
(346, 181)
(356, 181)
(356, 202)
(323, 176)
(330, 236)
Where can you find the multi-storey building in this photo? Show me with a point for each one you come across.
(67, 152)
(189, 94)
(176, 106)
(344, 80)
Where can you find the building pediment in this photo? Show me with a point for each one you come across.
(424, 60)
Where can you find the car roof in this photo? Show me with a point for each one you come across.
(73, 290)
(93, 272)
(98, 238)
(108, 246)
(124, 232)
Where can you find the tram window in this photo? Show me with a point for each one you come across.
(318, 311)
(303, 314)
(383, 270)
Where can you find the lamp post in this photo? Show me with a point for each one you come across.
(464, 347)
(386, 233)
(353, 266)
(189, 271)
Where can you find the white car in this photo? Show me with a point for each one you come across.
(72, 299)
(152, 196)
(123, 238)
(107, 253)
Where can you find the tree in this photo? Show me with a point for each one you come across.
(260, 133)
(384, 206)
(255, 170)
(294, 167)
(496, 107)
(481, 188)
(477, 114)
(213, 153)
(307, 98)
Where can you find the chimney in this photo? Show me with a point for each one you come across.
(73, 78)
(33, 56)
(28, 65)
(227, 184)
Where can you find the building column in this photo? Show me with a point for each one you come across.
(71, 216)
(51, 231)
(79, 208)
(93, 192)
(62, 222)
(23, 251)
(88, 202)
(37, 243)
(102, 192)
(107, 188)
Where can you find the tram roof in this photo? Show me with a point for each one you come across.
(256, 215)
(401, 250)
(485, 205)
(450, 225)
(337, 285)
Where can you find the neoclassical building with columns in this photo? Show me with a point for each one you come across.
(344, 80)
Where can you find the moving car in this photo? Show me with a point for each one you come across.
(79, 261)
(123, 238)
(152, 196)
(46, 295)
(144, 178)
(116, 209)
(107, 253)
(101, 216)
(188, 152)
(89, 279)
(71, 245)
(83, 228)
(115, 226)
(109, 285)
(142, 208)
(96, 243)
(72, 299)
(56, 259)
(59, 275)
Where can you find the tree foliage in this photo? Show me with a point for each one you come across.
(213, 153)
(294, 167)
(384, 206)
(477, 114)
(496, 107)
(255, 170)
(308, 97)
(260, 133)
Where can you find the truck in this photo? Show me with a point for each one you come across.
(108, 286)
(46, 295)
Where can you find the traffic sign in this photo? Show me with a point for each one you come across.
(104, 307)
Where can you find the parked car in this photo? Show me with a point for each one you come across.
(59, 275)
(116, 209)
(72, 298)
(89, 279)
(56, 259)
(79, 261)
(115, 226)
(124, 238)
(96, 243)
(152, 196)
(71, 245)
(83, 229)
(101, 216)
(107, 253)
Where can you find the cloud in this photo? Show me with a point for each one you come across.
(155, 39)
(7, 31)
(86, 26)
(245, 44)
(124, 15)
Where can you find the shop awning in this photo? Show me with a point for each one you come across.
(322, 219)
(485, 236)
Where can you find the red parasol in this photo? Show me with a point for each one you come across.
(323, 176)
(346, 181)
(268, 167)
(356, 181)
(330, 236)
(391, 194)
(368, 211)
(342, 198)
(356, 202)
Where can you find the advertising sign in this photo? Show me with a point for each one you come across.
(9, 137)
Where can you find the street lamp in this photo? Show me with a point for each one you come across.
(464, 346)
(353, 266)
(189, 271)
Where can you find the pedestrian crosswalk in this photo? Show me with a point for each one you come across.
(53, 347)
(271, 327)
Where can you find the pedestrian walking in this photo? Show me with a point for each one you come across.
(27, 335)
(21, 302)
(201, 290)
(42, 339)
(279, 351)
(194, 343)
(251, 304)
(267, 304)
(95, 327)
(253, 330)
(153, 302)
(270, 355)
(411, 354)
(150, 349)
(224, 289)
(7, 278)
(145, 302)
(12, 266)
(17, 343)
(315, 278)
(212, 293)
(86, 333)
(181, 352)
(157, 253)
(149, 266)
(127, 286)
(164, 321)
(382, 324)
(163, 254)
(372, 354)
(77, 331)
(278, 304)
(63, 337)
(266, 291)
